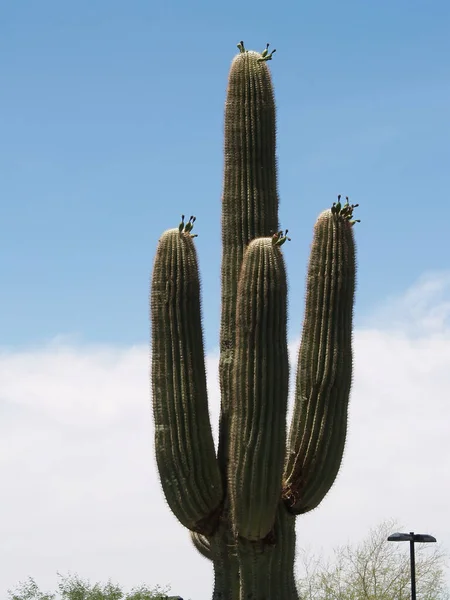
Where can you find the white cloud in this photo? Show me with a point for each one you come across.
(80, 490)
(424, 310)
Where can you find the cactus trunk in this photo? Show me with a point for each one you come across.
(240, 504)
(249, 199)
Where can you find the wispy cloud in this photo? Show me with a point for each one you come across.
(424, 309)
(80, 490)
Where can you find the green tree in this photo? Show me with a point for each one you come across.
(72, 587)
(375, 569)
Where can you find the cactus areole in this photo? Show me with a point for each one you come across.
(240, 502)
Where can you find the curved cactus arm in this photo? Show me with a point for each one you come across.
(324, 371)
(202, 544)
(220, 549)
(184, 445)
(260, 390)
(249, 199)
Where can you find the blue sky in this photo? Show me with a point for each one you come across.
(111, 125)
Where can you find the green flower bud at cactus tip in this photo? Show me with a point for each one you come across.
(190, 224)
(282, 238)
(345, 212)
(181, 225)
(241, 46)
(265, 51)
(265, 57)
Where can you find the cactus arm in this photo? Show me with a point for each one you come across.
(260, 391)
(249, 198)
(324, 374)
(184, 444)
(202, 544)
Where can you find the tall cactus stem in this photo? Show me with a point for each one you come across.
(249, 199)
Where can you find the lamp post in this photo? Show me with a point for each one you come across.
(412, 538)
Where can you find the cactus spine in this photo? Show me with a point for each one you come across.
(240, 504)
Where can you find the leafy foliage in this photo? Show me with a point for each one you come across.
(75, 588)
(375, 569)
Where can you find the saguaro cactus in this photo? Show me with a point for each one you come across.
(240, 503)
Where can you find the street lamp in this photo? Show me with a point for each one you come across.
(412, 538)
